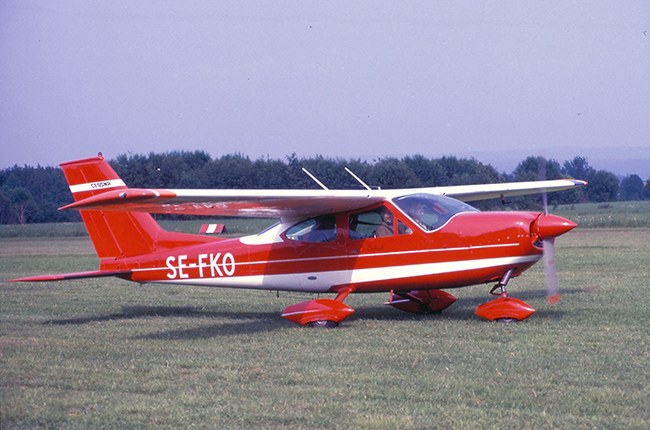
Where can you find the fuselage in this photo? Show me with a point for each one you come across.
(454, 248)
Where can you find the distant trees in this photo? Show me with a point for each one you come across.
(168, 170)
(578, 168)
(431, 173)
(391, 172)
(536, 169)
(603, 186)
(21, 200)
(33, 194)
(632, 188)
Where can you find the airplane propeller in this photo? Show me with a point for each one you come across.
(552, 288)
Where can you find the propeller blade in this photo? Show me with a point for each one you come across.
(552, 290)
(545, 201)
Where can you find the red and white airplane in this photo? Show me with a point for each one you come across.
(412, 243)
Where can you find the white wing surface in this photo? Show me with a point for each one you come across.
(468, 193)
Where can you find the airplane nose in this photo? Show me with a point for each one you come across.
(550, 226)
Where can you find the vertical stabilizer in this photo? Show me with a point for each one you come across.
(114, 234)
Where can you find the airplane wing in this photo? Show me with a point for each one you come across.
(288, 204)
(285, 204)
(468, 193)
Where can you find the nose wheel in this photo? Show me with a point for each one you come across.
(505, 308)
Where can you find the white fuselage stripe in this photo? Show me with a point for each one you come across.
(380, 254)
(338, 257)
(324, 280)
(95, 186)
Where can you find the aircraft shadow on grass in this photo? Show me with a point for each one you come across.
(245, 322)
(463, 310)
(252, 322)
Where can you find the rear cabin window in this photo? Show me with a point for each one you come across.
(364, 225)
(317, 230)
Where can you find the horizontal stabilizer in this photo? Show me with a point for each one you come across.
(78, 275)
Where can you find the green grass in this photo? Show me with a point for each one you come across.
(111, 354)
(607, 215)
(62, 229)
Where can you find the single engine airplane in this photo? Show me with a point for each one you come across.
(411, 243)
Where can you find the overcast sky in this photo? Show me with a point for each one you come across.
(343, 79)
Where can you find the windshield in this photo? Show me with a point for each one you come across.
(430, 211)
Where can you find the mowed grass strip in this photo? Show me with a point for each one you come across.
(106, 353)
(628, 214)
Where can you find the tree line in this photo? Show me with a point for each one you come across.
(33, 194)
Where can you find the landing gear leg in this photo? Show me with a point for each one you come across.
(502, 285)
(504, 308)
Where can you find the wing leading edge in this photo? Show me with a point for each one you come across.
(468, 193)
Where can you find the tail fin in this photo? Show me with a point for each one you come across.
(114, 234)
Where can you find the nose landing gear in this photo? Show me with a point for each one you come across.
(504, 308)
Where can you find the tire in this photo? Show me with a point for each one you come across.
(323, 324)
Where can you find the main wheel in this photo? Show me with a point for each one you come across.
(506, 320)
(323, 324)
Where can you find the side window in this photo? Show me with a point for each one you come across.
(375, 223)
(320, 229)
(402, 228)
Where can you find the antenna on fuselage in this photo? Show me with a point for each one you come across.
(314, 178)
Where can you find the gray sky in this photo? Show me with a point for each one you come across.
(343, 79)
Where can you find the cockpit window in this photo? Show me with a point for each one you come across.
(430, 211)
(319, 229)
(379, 222)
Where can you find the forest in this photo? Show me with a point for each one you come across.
(34, 194)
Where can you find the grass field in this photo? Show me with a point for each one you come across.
(635, 214)
(107, 354)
